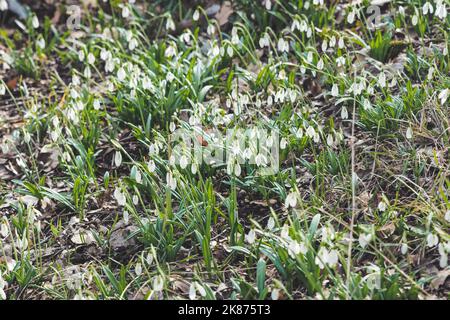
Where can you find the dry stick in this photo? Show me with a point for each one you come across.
(353, 181)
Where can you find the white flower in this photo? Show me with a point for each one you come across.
(326, 257)
(171, 181)
(35, 22)
(344, 113)
(351, 16)
(118, 158)
(441, 10)
(382, 79)
(409, 133)
(275, 294)
(183, 162)
(125, 12)
(283, 45)
(447, 216)
(138, 269)
(432, 240)
(91, 58)
(121, 74)
(415, 20)
(443, 261)
(335, 90)
(2, 89)
(443, 95)
(119, 196)
(427, 8)
(404, 248)
(126, 217)
(364, 239)
(283, 143)
(192, 291)
(151, 166)
(382, 206)
(3, 5)
(251, 236)
(320, 64)
(158, 283)
(291, 200)
(260, 160)
(196, 15)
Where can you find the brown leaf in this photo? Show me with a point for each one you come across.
(440, 279)
(225, 11)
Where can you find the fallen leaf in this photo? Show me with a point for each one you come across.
(225, 11)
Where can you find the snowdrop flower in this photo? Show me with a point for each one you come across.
(260, 160)
(409, 133)
(41, 43)
(351, 16)
(404, 248)
(268, 4)
(283, 45)
(324, 45)
(291, 200)
(443, 96)
(119, 196)
(138, 269)
(275, 294)
(4, 230)
(441, 10)
(382, 206)
(171, 181)
(132, 44)
(151, 166)
(230, 51)
(35, 22)
(2, 89)
(121, 74)
(432, 240)
(344, 113)
(415, 20)
(97, 104)
(283, 143)
(183, 162)
(364, 239)
(196, 15)
(211, 29)
(320, 64)
(125, 12)
(427, 8)
(264, 41)
(341, 43)
(382, 79)
(325, 257)
(335, 90)
(117, 158)
(330, 141)
(158, 283)
(447, 216)
(332, 42)
(91, 58)
(3, 5)
(251, 236)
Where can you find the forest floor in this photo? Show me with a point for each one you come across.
(225, 150)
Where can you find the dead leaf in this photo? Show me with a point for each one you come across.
(225, 12)
(440, 279)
